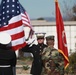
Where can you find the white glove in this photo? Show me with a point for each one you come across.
(30, 41)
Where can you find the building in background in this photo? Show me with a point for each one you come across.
(50, 28)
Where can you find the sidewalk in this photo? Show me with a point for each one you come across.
(21, 71)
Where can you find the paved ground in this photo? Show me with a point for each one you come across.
(21, 71)
(19, 67)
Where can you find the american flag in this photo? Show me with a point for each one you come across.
(26, 20)
(11, 22)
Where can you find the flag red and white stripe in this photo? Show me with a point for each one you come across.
(26, 20)
(11, 23)
(15, 29)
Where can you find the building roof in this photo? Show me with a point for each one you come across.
(48, 23)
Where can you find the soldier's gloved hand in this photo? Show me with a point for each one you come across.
(27, 41)
(30, 41)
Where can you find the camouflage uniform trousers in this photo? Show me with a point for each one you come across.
(53, 62)
(50, 69)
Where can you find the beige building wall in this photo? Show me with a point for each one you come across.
(50, 29)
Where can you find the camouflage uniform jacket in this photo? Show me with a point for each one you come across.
(52, 61)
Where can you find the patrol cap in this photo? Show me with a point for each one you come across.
(50, 37)
(40, 35)
(5, 38)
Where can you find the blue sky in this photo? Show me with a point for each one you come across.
(38, 8)
(43, 8)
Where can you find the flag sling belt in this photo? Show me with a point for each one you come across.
(5, 65)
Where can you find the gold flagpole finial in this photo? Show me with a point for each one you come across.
(56, 0)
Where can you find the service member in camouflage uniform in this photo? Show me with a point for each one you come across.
(52, 59)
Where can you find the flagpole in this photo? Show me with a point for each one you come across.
(62, 44)
(56, 0)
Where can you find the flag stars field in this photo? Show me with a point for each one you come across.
(11, 23)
